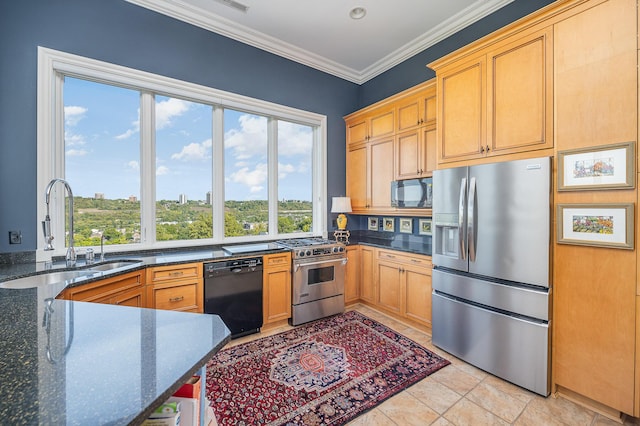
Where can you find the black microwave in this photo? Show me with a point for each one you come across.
(412, 193)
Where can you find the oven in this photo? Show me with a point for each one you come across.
(318, 273)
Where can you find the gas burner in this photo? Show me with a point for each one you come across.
(312, 247)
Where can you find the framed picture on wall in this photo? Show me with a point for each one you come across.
(597, 225)
(600, 167)
(388, 224)
(424, 227)
(373, 223)
(406, 225)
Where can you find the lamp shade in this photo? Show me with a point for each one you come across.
(341, 205)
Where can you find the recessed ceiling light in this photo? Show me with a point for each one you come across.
(358, 12)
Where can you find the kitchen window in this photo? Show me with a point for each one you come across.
(157, 162)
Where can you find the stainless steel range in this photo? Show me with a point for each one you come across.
(317, 278)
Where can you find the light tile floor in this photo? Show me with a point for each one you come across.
(461, 394)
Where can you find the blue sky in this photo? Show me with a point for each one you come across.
(102, 148)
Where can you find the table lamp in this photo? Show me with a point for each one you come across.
(341, 205)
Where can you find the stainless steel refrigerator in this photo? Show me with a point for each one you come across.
(491, 280)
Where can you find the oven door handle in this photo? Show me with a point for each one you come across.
(298, 265)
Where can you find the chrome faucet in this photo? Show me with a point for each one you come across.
(46, 223)
(102, 237)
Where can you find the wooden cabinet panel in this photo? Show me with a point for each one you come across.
(381, 123)
(109, 290)
(418, 294)
(389, 286)
(408, 154)
(381, 174)
(183, 295)
(367, 279)
(176, 287)
(429, 157)
(352, 275)
(462, 122)
(276, 284)
(357, 177)
(134, 297)
(520, 98)
(357, 130)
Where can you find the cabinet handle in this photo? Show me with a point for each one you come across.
(487, 148)
(390, 256)
(176, 299)
(416, 260)
(176, 274)
(482, 149)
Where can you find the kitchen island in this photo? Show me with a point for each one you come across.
(82, 363)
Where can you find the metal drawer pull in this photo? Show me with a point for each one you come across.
(176, 299)
(176, 273)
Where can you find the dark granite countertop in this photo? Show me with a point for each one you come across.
(416, 244)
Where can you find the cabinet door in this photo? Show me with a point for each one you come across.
(520, 94)
(357, 177)
(429, 147)
(367, 281)
(181, 295)
(462, 105)
(357, 130)
(352, 275)
(389, 287)
(277, 295)
(134, 297)
(381, 122)
(276, 284)
(418, 294)
(381, 174)
(410, 113)
(408, 154)
(105, 290)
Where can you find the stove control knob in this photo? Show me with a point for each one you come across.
(341, 249)
(300, 253)
(308, 253)
(335, 249)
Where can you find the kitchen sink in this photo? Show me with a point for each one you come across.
(44, 279)
(114, 264)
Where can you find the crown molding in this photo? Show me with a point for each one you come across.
(185, 12)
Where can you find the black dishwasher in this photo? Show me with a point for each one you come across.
(233, 290)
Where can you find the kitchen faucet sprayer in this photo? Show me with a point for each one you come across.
(46, 223)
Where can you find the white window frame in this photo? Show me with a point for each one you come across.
(54, 65)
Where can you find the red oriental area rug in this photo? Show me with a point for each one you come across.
(323, 373)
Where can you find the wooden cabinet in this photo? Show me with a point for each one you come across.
(404, 285)
(392, 139)
(176, 287)
(126, 289)
(352, 275)
(369, 175)
(367, 282)
(498, 100)
(276, 284)
(371, 124)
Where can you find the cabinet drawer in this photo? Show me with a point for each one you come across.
(174, 297)
(101, 291)
(394, 256)
(277, 260)
(174, 272)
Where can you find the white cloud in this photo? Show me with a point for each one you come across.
(76, 152)
(73, 114)
(162, 170)
(253, 179)
(294, 139)
(166, 110)
(194, 151)
(127, 134)
(250, 139)
(134, 165)
(72, 139)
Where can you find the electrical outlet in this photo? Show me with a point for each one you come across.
(15, 237)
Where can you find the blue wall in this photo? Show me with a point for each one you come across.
(119, 32)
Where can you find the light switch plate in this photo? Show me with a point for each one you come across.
(15, 237)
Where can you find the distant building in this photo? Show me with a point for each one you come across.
(209, 198)
(182, 199)
(133, 198)
(99, 196)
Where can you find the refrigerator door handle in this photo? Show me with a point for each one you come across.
(462, 209)
(471, 220)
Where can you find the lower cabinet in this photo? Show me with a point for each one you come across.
(126, 289)
(396, 282)
(352, 275)
(276, 285)
(176, 287)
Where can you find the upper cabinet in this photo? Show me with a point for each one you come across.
(497, 100)
(391, 140)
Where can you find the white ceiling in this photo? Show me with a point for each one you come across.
(320, 33)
